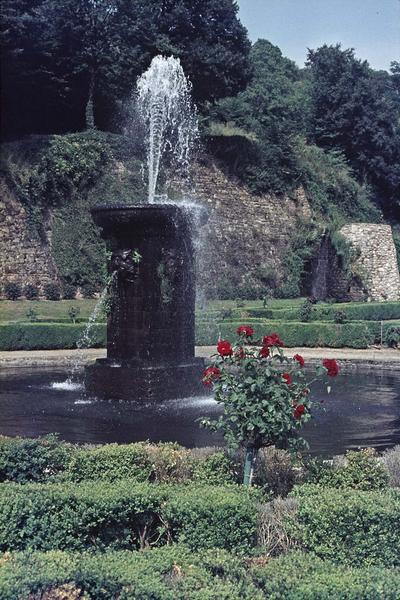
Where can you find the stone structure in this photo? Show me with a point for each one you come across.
(24, 257)
(375, 264)
(246, 234)
(150, 329)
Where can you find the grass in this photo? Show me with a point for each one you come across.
(15, 311)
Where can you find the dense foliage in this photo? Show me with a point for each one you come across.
(176, 573)
(69, 64)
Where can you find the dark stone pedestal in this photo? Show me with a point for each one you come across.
(145, 384)
(150, 329)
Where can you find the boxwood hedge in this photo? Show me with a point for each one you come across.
(51, 336)
(369, 311)
(126, 515)
(47, 459)
(175, 573)
(353, 335)
(48, 336)
(350, 526)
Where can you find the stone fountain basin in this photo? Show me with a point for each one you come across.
(109, 216)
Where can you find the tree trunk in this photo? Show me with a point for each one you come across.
(89, 112)
(249, 462)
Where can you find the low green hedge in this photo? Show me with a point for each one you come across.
(48, 336)
(369, 311)
(47, 459)
(51, 336)
(350, 526)
(299, 576)
(126, 515)
(352, 335)
(169, 573)
(176, 573)
(33, 460)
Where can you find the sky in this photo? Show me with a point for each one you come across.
(371, 27)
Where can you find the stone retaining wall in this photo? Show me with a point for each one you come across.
(376, 261)
(246, 235)
(24, 257)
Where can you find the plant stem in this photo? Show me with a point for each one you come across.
(250, 459)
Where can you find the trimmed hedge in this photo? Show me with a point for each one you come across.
(48, 459)
(170, 573)
(27, 460)
(126, 515)
(369, 311)
(300, 576)
(48, 336)
(353, 335)
(175, 573)
(350, 526)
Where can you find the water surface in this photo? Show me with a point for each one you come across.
(363, 409)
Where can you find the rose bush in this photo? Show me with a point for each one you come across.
(265, 395)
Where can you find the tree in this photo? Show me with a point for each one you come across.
(273, 110)
(91, 52)
(356, 110)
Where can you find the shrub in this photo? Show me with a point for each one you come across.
(31, 292)
(352, 335)
(360, 470)
(73, 312)
(301, 576)
(69, 291)
(339, 316)
(88, 290)
(169, 573)
(24, 460)
(48, 336)
(213, 467)
(32, 315)
(125, 515)
(111, 462)
(213, 517)
(392, 337)
(348, 526)
(305, 311)
(12, 290)
(142, 461)
(274, 471)
(391, 462)
(273, 534)
(52, 291)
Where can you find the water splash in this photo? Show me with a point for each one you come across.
(164, 104)
(84, 342)
(66, 386)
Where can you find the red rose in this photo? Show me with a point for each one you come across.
(298, 411)
(210, 375)
(264, 352)
(272, 340)
(239, 353)
(299, 359)
(245, 330)
(288, 378)
(224, 348)
(331, 365)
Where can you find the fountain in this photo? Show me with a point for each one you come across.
(150, 331)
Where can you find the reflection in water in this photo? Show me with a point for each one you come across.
(363, 409)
